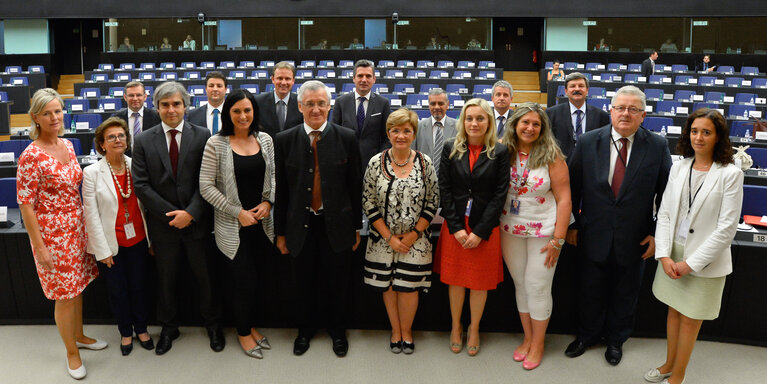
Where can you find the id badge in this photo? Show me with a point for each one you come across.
(514, 207)
(468, 207)
(130, 232)
(684, 228)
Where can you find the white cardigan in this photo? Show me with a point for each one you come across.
(713, 218)
(100, 206)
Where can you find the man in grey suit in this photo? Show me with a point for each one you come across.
(209, 115)
(434, 130)
(617, 173)
(365, 112)
(166, 174)
(572, 119)
(278, 110)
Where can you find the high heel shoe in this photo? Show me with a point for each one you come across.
(456, 347)
(264, 343)
(78, 373)
(519, 356)
(472, 350)
(255, 352)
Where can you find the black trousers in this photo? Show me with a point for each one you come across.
(243, 273)
(169, 257)
(126, 287)
(322, 279)
(607, 298)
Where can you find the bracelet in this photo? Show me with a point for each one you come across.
(390, 236)
(555, 245)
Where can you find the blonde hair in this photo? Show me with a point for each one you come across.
(545, 149)
(402, 116)
(40, 99)
(460, 146)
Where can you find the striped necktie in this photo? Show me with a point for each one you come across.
(439, 141)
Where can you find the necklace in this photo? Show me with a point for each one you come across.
(125, 195)
(407, 160)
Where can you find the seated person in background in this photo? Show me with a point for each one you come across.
(669, 46)
(705, 65)
(474, 43)
(432, 44)
(165, 44)
(189, 43)
(602, 46)
(355, 44)
(556, 73)
(126, 46)
(323, 44)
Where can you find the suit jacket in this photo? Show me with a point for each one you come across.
(148, 120)
(487, 184)
(699, 65)
(562, 124)
(161, 192)
(100, 209)
(647, 68)
(424, 141)
(713, 217)
(267, 113)
(341, 177)
(604, 221)
(199, 117)
(372, 138)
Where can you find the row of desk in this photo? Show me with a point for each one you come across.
(20, 95)
(35, 80)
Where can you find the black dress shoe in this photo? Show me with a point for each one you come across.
(166, 341)
(148, 345)
(408, 347)
(340, 347)
(217, 339)
(126, 348)
(301, 345)
(613, 354)
(576, 348)
(395, 347)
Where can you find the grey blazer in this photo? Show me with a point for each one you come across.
(219, 187)
(424, 141)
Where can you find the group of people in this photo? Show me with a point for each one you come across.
(272, 171)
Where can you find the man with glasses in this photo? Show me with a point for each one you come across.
(617, 173)
(435, 129)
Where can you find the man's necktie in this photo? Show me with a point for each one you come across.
(578, 124)
(173, 151)
(360, 115)
(281, 114)
(439, 141)
(501, 121)
(316, 186)
(620, 166)
(136, 124)
(215, 121)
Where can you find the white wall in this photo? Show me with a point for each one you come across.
(566, 35)
(26, 36)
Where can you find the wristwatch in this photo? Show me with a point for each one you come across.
(419, 233)
(560, 242)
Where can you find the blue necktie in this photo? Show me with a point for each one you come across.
(215, 121)
(578, 124)
(360, 115)
(501, 121)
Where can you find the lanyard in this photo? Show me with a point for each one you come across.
(619, 151)
(519, 183)
(691, 197)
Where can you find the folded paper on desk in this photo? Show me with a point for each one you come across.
(755, 220)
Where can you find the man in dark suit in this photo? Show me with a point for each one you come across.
(570, 120)
(648, 65)
(317, 214)
(503, 93)
(209, 115)
(136, 115)
(365, 112)
(278, 110)
(617, 172)
(166, 174)
(705, 65)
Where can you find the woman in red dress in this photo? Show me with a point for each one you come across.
(473, 181)
(48, 180)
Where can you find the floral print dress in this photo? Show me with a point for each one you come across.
(537, 207)
(52, 188)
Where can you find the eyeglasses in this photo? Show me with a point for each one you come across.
(623, 108)
(311, 105)
(113, 138)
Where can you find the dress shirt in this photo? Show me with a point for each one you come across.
(505, 116)
(167, 128)
(574, 117)
(309, 130)
(209, 117)
(616, 137)
(434, 131)
(132, 122)
(357, 102)
(653, 66)
(286, 99)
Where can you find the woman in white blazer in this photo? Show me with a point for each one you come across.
(697, 221)
(237, 179)
(117, 235)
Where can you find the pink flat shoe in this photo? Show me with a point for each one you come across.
(518, 356)
(530, 366)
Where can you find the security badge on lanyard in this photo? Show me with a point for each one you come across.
(519, 184)
(130, 231)
(684, 226)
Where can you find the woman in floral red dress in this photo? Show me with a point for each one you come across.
(48, 180)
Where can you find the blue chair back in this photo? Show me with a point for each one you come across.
(425, 88)
(697, 106)
(438, 74)
(425, 64)
(3, 96)
(679, 68)
(416, 74)
(631, 78)
(127, 66)
(405, 64)
(570, 65)
(745, 98)
(486, 64)
(635, 67)
(713, 97)
(21, 80)
(445, 64)
(414, 99)
(92, 119)
(76, 145)
(653, 94)
(754, 197)
(667, 106)
(252, 88)
(402, 88)
(706, 80)
(655, 124)
(597, 92)
(740, 110)
(656, 79)
(110, 103)
(682, 80)
(759, 83)
(13, 69)
(8, 192)
(77, 105)
(683, 95)
(146, 66)
(483, 89)
(614, 66)
(465, 64)
(759, 155)
(196, 89)
(592, 66)
(456, 88)
(749, 70)
(15, 146)
(733, 82)
(725, 69)
(603, 104)
(324, 64)
(106, 66)
(146, 76)
(90, 92)
(36, 69)
(168, 65)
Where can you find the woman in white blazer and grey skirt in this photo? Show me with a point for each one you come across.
(237, 179)
(697, 221)
(117, 235)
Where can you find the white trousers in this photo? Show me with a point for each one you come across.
(532, 280)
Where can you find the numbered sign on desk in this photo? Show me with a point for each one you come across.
(396, 102)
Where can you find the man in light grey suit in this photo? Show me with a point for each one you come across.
(434, 130)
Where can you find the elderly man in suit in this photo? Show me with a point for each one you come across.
(166, 172)
(317, 214)
(365, 112)
(434, 130)
(278, 110)
(136, 115)
(617, 173)
(209, 115)
(572, 119)
(648, 65)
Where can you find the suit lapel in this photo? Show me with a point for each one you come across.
(481, 160)
(603, 159)
(188, 137)
(638, 152)
(271, 111)
(708, 185)
(568, 117)
(106, 177)
(161, 147)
